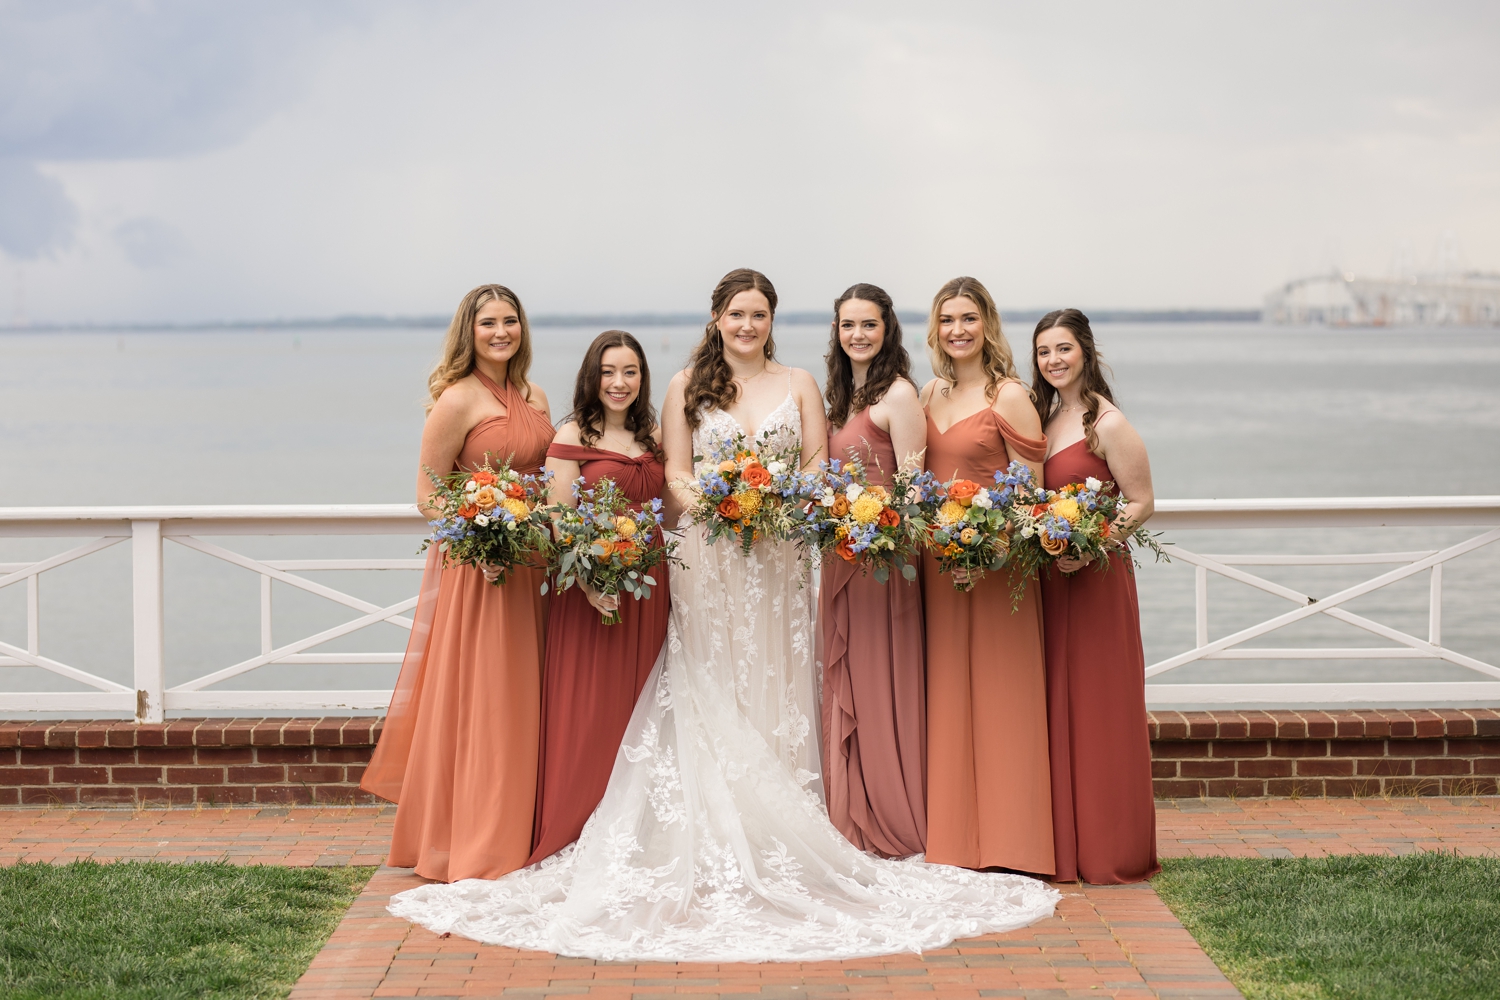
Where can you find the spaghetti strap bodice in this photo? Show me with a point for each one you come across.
(866, 441)
(520, 435)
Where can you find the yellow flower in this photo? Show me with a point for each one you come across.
(967, 536)
(625, 526)
(1067, 508)
(950, 512)
(517, 508)
(749, 501)
(841, 532)
(866, 509)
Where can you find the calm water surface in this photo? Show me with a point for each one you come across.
(335, 416)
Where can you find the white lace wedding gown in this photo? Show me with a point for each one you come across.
(710, 843)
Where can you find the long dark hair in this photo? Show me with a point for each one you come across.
(588, 411)
(890, 364)
(1095, 383)
(710, 379)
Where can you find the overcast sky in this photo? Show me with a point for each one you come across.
(223, 160)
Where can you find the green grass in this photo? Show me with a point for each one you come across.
(1354, 927)
(147, 929)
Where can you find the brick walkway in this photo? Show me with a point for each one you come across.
(1104, 941)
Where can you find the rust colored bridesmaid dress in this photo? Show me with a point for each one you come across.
(594, 672)
(874, 692)
(459, 749)
(989, 800)
(1103, 812)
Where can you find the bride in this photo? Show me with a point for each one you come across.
(712, 843)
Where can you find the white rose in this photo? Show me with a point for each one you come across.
(982, 499)
(481, 520)
(1093, 484)
(1027, 531)
(854, 491)
(470, 486)
(776, 468)
(827, 498)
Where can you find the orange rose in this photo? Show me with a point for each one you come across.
(1038, 510)
(1052, 546)
(485, 498)
(628, 552)
(845, 551)
(729, 508)
(889, 518)
(840, 505)
(755, 474)
(515, 491)
(468, 510)
(963, 491)
(483, 478)
(1104, 529)
(603, 547)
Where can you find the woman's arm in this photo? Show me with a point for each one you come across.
(1013, 403)
(677, 442)
(1129, 466)
(899, 413)
(442, 439)
(814, 419)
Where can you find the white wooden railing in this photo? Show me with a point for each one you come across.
(147, 528)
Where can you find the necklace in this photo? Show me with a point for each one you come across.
(752, 378)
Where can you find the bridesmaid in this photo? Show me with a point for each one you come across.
(459, 747)
(1103, 814)
(874, 698)
(594, 672)
(989, 800)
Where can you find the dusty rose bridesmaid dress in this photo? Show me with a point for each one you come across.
(459, 749)
(593, 672)
(989, 798)
(874, 689)
(1103, 812)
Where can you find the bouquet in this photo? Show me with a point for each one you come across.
(971, 527)
(604, 544)
(879, 528)
(1080, 520)
(490, 517)
(748, 493)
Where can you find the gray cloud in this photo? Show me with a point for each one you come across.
(35, 214)
(109, 80)
(150, 242)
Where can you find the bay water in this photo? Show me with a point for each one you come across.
(319, 415)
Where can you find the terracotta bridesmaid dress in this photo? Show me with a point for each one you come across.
(989, 801)
(1103, 813)
(594, 672)
(874, 692)
(459, 749)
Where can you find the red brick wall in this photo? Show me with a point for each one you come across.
(293, 761)
(185, 762)
(1370, 752)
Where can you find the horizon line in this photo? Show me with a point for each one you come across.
(644, 319)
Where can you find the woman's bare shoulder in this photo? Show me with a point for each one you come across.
(568, 434)
(537, 397)
(932, 386)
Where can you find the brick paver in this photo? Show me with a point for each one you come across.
(1104, 941)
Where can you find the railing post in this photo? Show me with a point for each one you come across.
(1200, 605)
(265, 614)
(33, 616)
(146, 598)
(1435, 607)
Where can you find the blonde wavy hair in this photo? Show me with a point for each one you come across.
(458, 346)
(999, 363)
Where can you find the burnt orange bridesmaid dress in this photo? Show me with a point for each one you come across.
(989, 800)
(874, 692)
(1103, 811)
(593, 672)
(458, 753)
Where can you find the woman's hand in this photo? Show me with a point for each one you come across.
(1070, 565)
(491, 573)
(963, 579)
(605, 604)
